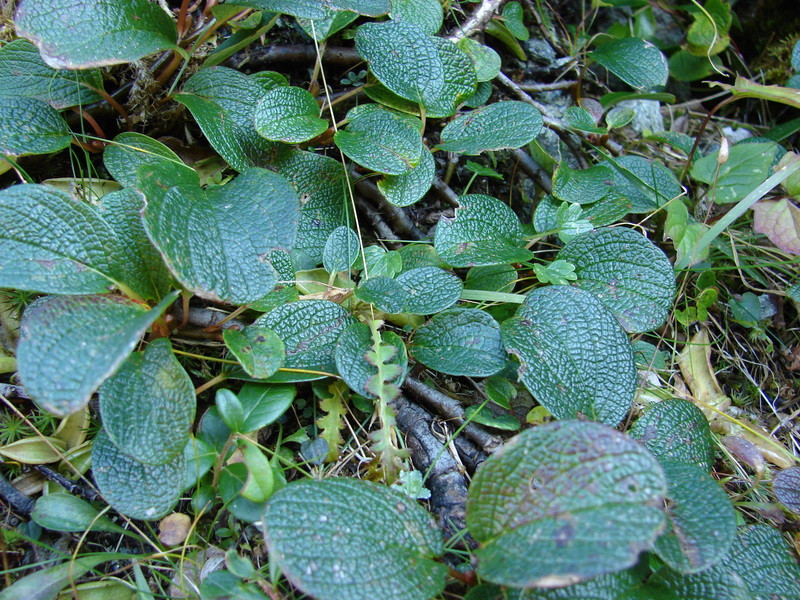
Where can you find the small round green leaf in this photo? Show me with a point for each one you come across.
(582, 186)
(309, 330)
(135, 489)
(289, 114)
(148, 405)
(31, 126)
(425, 14)
(65, 512)
(484, 231)
(411, 186)
(82, 338)
(258, 349)
(701, 520)
(381, 140)
(646, 184)
(384, 292)
(676, 430)
(23, 73)
(129, 151)
(429, 290)
(345, 538)
(637, 62)
(630, 275)
(95, 33)
(508, 124)
(562, 503)
(575, 358)
(486, 61)
(217, 242)
(366, 365)
(460, 341)
(341, 250)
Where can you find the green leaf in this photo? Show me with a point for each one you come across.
(484, 416)
(676, 430)
(701, 520)
(486, 61)
(513, 19)
(630, 275)
(619, 117)
(95, 33)
(307, 9)
(230, 410)
(324, 27)
(341, 250)
(381, 263)
(356, 353)
(558, 272)
(289, 114)
(425, 14)
(460, 341)
(65, 512)
(429, 290)
(309, 330)
(508, 124)
(637, 62)
(263, 404)
(582, 186)
(85, 338)
(80, 259)
(564, 502)
(460, 81)
(31, 126)
(144, 270)
(708, 34)
(129, 151)
(47, 583)
(484, 231)
(646, 184)
(610, 586)
(258, 349)
(582, 120)
(261, 482)
(217, 242)
(404, 58)
(575, 358)
(321, 186)
(747, 166)
(148, 405)
(344, 538)
(381, 140)
(384, 292)
(223, 102)
(411, 186)
(494, 278)
(137, 490)
(23, 73)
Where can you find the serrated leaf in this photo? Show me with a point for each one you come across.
(747, 166)
(508, 124)
(148, 405)
(65, 512)
(129, 151)
(701, 520)
(779, 220)
(575, 358)
(23, 73)
(637, 62)
(353, 351)
(84, 338)
(80, 259)
(135, 489)
(411, 186)
(425, 14)
(484, 231)
(217, 242)
(381, 140)
(258, 349)
(31, 126)
(332, 537)
(95, 33)
(321, 186)
(582, 186)
(223, 102)
(341, 250)
(144, 270)
(630, 275)
(646, 184)
(460, 341)
(676, 430)
(288, 114)
(564, 502)
(309, 330)
(404, 58)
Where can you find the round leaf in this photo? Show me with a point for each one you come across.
(637, 62)
(509, 124)
(575, 358)
(646, 184)
(426, 14)
(94, 33)
(562, 503)
(31, 126)
(135, 489)
(345, 538)
(131, 150)
(460, 341)
(409, 187)
(341, 250)
(148, 405)
(429, 290)
(630, 275)
(483, 232)
(676, 430)
(258, 349)
(582, 186)
(289, 114)
(217, 242)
